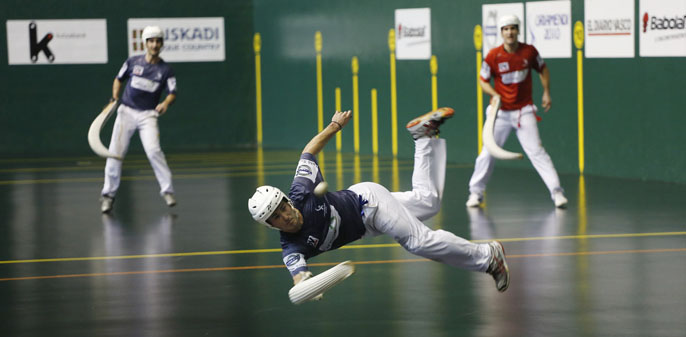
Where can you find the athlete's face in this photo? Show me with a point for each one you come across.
(509, 34)
(154, 45)
(286, 218)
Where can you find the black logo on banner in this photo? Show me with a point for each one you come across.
(42, 46)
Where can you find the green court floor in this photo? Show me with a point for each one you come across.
(611, 264)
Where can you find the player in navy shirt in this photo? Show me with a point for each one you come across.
(311, 224)
(147, 77)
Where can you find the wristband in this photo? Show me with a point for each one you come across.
(340, 127)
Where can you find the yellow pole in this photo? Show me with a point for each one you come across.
(339, 171)
(320, 95)
(394, 98)
(357, 177)
(583, 219)
(395, 176)
(434, 82)
(375, 169)
(478, 41)
(356, 104)
(320, 99)
(339, 145)
(257, 46)
(339, 141)
(579, 42)
(260, 166)
(375, 124)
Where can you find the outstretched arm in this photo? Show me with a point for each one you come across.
(339, 120)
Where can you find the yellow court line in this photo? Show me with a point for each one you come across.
(381, 245)
(324, 264)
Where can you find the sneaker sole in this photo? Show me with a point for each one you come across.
(445, 114)
(507, 269)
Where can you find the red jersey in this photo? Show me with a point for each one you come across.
(511, 74)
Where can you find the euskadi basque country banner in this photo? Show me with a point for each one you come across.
(185, 39)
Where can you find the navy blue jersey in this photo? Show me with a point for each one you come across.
(329, 222)
(146, 82)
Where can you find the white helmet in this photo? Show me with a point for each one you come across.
(150, 32)
(264, 202)
(508, 20)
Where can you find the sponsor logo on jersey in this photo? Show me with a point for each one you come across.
(142, 83)
(303, 171)
(312, 241)
(321, 207)
(292, 259)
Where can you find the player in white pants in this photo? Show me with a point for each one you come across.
(147, 77)
(311, 224)
(510, 65)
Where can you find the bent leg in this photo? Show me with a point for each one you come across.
(428, 179)
(531, 143)
(386, 215)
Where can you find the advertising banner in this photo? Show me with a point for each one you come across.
(490, 14)
(662, 28)
(185, 39)
(609, 28)
(413, 34)
(57, 41)
(549, 28)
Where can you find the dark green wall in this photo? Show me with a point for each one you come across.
(633, 107)
(634, 112)
(47, 109)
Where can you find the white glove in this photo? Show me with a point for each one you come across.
(304, 275)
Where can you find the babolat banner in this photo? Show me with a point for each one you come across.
(57, 41)
(662, 28)
(185, 39)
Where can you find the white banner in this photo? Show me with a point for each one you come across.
(185, 39)
(662, 27)
(609, 28)
(413, 34)
(57, 41)
(549, 28)
(489, 21)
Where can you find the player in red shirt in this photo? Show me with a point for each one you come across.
(510, 67)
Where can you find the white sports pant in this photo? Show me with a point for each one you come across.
(398, 214)
(128, 121)
(524, 121)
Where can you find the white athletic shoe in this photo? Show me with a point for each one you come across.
(474, 200)
(498, 266)
(559, 199)
(427, 124)
(106, 203)
(169, 199)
